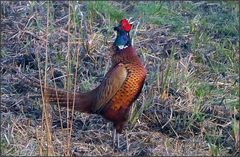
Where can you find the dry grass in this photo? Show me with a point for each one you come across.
(188, 105)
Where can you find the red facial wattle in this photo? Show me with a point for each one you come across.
(125, 25)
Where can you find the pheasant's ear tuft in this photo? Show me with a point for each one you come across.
(125, 25)
(116, 28)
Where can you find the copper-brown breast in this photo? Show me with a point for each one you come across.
(120, 103)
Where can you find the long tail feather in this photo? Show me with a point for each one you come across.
(82, 101)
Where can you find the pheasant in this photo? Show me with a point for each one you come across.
(121, 86)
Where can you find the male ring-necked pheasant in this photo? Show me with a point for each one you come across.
(119, 89)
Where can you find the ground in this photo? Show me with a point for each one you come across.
(189, 103)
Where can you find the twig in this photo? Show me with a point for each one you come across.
(170, 118)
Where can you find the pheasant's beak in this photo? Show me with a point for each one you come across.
(131, 22)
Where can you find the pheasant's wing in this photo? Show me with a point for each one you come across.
(111, 84)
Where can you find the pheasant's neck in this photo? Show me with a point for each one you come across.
(127, 55)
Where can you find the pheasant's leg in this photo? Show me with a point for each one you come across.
(114, 138)
(118, 141)
(127, 140)
(116, 146)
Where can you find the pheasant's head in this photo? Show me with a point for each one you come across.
(123, 39)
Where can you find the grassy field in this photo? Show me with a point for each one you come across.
(190, 100)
